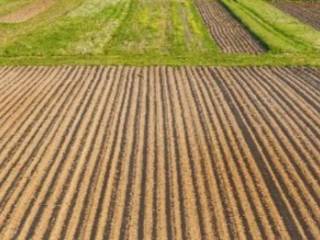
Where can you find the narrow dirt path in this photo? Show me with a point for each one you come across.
(27, 12)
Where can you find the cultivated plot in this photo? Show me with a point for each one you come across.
(230, 35)
(159, 152)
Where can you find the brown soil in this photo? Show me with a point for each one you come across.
(159, 153)
(230, 35)
(27, 12)
(307, 12)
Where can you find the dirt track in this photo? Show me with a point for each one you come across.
(230, 35)
(164, 153)
(27, 12)
(308, 12)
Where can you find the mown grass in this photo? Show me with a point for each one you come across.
(10, 33)
(170, 27)
(268, 59)
(72, 33)
(146, 32)
(161, 27)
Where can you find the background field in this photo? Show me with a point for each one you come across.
(145, 32)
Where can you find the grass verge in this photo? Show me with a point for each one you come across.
(278, 30)
(289, 59)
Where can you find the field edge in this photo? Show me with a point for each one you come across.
(190, 60)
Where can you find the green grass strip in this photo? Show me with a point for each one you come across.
(9, 6)
(80, 33)
(292, 59)
(279, 31)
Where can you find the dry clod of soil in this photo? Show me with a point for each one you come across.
(159, 153)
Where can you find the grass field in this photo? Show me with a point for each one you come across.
(113, 28)
(145, 32)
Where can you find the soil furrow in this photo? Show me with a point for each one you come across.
(54, 163)
(290, 174)
(98, 210)
(161, 152)
(229, 34)
(273, 152)
(306, 11)
(12, 98)
(21, 130)
(81, 157)
(39, 142)
(267, 173)
(66, 168)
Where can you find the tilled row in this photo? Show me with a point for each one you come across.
(308, 12)
(229, 34)
(159, 153)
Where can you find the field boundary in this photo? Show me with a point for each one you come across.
(267, 59)
(278, 30)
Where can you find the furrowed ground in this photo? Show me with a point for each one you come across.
(229, 34)
(145, 32)
(159, 153)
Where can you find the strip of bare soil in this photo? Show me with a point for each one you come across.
(27, 12)
(230, 35)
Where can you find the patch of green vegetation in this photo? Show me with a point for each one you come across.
(73, 34)
(151, 32)
(163, 27)
(117, 27)
(188, 59)
(12, 32)
(8, 6)
(279, 31)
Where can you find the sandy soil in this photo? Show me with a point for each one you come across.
(27, 12)
(230, 35)
(159, 153)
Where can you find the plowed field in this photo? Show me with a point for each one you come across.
(230, 35)
(308, 12)
(159, 152)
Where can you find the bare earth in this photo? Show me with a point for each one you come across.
(308, 12)
(27, 12)
(229, 34)
(159, 153)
